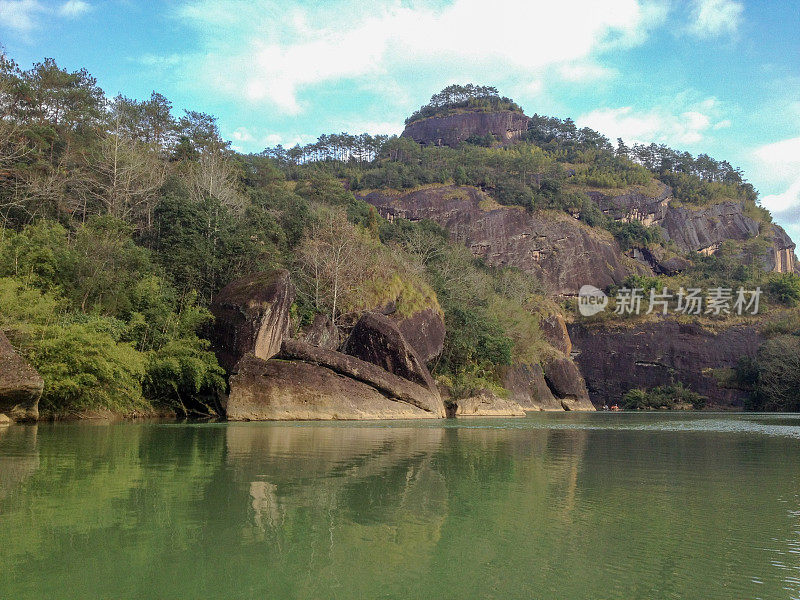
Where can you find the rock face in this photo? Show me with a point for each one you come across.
(389, 384)
(377, 340)
(506, 126)
(526, 386)
(700, 229)
(555, 331)
(614, 360)
(487, 404)
(251, 315)
(551, 245)
(424, 331)
(20, 385)
(321, 333)
(567, 384)
(274, 389)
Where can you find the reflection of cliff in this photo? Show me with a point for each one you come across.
(19, 457)
(323, 499)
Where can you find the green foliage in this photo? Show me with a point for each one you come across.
(785, 288)
(469, 97)
(634, 234)
(184, 375)
(778, 382)
(674, 396)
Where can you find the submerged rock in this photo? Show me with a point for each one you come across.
(20, 385)
(487, 404)
(251, 316)
(289, 390)
(377, 340)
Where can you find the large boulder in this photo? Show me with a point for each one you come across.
(321, 332)
(567, 384)
(251, 316)
(487, 404)
(527, 387)
(263, 390)
(20, 385)
(391, 385)
(424, 331)
(377, 340)
(505, 125)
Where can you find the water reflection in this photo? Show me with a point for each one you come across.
(552, 506)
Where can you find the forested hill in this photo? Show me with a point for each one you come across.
(122, 220)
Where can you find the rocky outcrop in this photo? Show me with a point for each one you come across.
(20, 385)
(251, 316)
(377, 340)
(526, 386)
(555, 247)
(781, 257)
(506, 126)
(389, 384)
(487, 404)
(424, 331)
(567, 384)
(614, 360)
(554, 329)
(320, 333)
(266, 390)
(697, 229)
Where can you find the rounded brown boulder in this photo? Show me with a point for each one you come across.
(20, 385)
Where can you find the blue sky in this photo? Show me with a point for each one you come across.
(715, 76)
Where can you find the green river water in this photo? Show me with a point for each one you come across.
(622, 506)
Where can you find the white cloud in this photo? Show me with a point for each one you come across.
(581, 72)
(686, 125)
(780, 163)
(19, 15)
(272, 58)
(714, 18)
(74, 8)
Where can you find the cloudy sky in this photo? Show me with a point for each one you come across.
(715, 76)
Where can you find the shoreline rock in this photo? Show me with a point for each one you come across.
(20, 384)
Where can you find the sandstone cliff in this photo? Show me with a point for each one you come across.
(506, 126)
(20, 385)
(615, 359)
(555, 247)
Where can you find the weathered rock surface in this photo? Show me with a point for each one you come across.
(526, 386)
(263, 390)
(20, 385)
(251, 316)
(424, 331)
(320, 333)
(554, 329)
(614, 360)
(567, 384)
(487, 404)
(387, 383)
(506, 126)
(5, 420)
(377, 340)
(700, 229)
(557, 248)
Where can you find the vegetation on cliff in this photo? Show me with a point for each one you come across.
(461, 98)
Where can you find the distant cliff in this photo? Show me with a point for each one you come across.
(505, 126)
